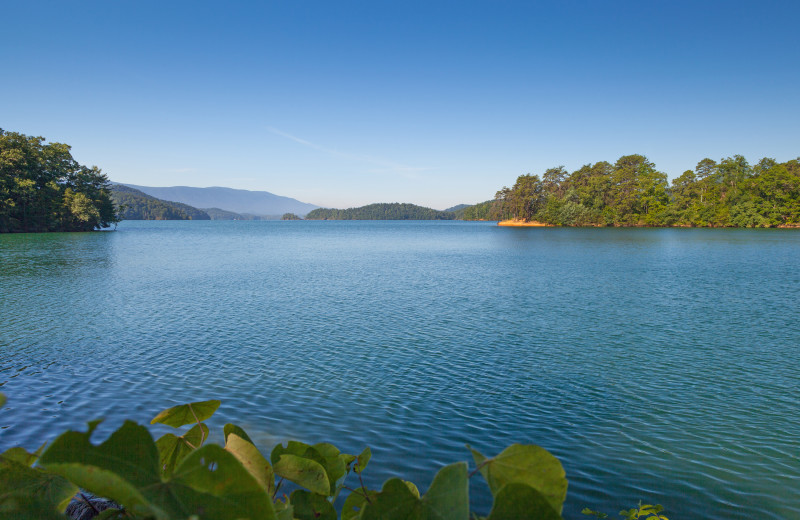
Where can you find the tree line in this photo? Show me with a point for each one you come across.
(381, 211)
(43, 188)
(632, 192)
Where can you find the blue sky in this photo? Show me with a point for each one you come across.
(344, 103)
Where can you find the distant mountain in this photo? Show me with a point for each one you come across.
(459, 207)
(136, 205)
(229, 199)
(381, 211)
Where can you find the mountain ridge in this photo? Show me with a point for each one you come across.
(240, 201)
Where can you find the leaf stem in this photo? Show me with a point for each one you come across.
(366, 497)
(276, 489)
(479, 466)
(202, 433)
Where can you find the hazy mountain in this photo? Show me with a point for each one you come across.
(229, 199)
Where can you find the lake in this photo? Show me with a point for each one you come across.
(657, 364)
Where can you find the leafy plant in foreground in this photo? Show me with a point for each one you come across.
(180, 476)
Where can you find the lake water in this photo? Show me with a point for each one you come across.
(657, 364)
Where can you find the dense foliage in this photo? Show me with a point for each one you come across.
(42, 188)
(136, 205)
(290, 216)
(381, 211)
(632, 192)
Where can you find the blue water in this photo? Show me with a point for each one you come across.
(657, 364)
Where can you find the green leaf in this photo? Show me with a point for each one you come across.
(3, 399)
(304, 472)
(252, 460)
(283, 511)
(525, 464)
(232, 428)
(335, 465)
(412, 487)
(120, 468)
(301, 464)
(27, 507)
(311, 506)
(355, 501)
(447, 498)
(301, 449)
(173, 449)
(22, 456)
(212, 484)
(521, 502)
(394, 502)
(363, 460)
(20, 480)
(183, 414)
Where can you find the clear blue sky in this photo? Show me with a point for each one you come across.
(343, 103)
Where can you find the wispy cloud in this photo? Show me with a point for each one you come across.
(386, 167)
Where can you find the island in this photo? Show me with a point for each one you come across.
(381, 211)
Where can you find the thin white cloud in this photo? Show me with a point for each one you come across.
(385, 166)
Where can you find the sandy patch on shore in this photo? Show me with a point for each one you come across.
(523, 223)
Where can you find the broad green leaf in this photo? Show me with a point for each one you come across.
(311, 506)
(355, 501)
(22, 456)
(183, 414)
(173, 449)
(394, 502)
(27, 507)
(335, 465)
(252, 460)
(412, 487)
(446, 499)
(283, 511)
(448, 496)
(232, 428)
(212, 484)
(521, 502)
(19, 480)
(525, 464)
(304, 472)
(363, 460)
(3, 400)
(301, 449)
(120, 468)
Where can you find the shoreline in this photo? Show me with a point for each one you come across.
(523, 223)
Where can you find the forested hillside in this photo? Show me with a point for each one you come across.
(632, 192)
(381, 211)
(42, 188)
(135, 205)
